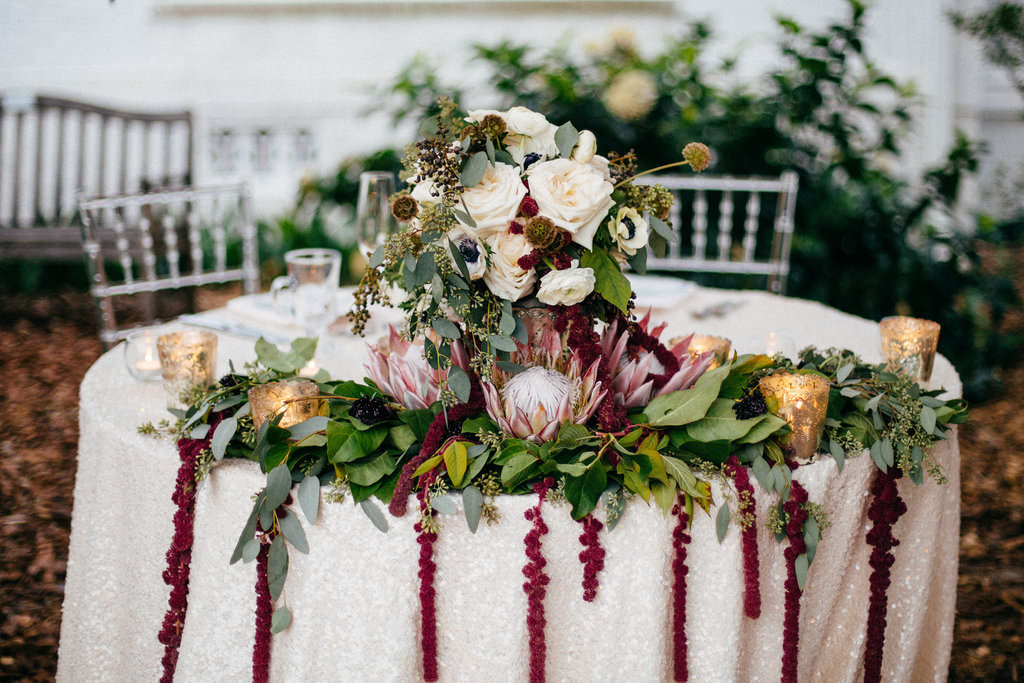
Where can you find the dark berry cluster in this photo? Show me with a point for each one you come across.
(371, 409)
(228, 380)
(751, 405)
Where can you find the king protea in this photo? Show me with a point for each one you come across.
(399, 369)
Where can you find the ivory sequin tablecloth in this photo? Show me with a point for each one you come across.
(354, 598)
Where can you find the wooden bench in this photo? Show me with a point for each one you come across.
(52, 149)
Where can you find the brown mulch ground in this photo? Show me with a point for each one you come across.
(47, 344)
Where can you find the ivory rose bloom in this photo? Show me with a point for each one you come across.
(575, 196)
(494, 201)
(585, 147)
(629, 230)
(528, 131)
(566, 287)
(504, 277)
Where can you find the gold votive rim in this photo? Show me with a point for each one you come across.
(295, 400)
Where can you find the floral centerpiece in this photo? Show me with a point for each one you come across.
(524, 370)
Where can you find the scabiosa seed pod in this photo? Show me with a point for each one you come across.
(370, 410)
(404, 208)
(541, 232)
(697, 155)
(751, 405)
(493, 126)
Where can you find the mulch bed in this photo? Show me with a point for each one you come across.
(47, 343)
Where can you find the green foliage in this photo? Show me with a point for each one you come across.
(866, 241)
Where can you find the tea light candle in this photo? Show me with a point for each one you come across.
(909, 344)
(775, 344)
(720, 346)
(802, 402)
(187, 359)
(286, 398)
(140, 356)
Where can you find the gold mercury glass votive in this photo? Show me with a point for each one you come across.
(705, 342)
(803, 402)
(286, 398)
(908, 345)
(187, 359)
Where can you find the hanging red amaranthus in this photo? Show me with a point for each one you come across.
(446, 423)
(428, 610)
(264, 614)
(536, 580)
(885, 510)
(179, 555)
(592, 555)
(680, 539)
(748, 511)
(796, 515)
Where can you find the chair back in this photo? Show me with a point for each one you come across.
(165, 240)
(725, 224)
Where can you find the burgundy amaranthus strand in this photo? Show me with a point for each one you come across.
(428, 610)
(886, 508)
(439, 430)
(592, 555)
(751, 566)
(680, 539)
(264, 614)
(536, 580)
(797, 515)
(179, 555)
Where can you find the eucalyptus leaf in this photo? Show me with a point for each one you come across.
(292, 530)
(566, 138)
(472, 503)
(928, 419)
(473, 170)
(230, 402)
(838, 454)
(762, 472)
(489, 149)
(279, 483)
(250, 550)
(844, 372)
(309, 497)
(801, 565)
(722, 521)
(446, 328)
(510, 367)
(502, 343)
(375, 515)
(849, 392)
(377, 258)
(661, 228)
(277, 567)
(876, 455)
(460, 260)
(222, 436)
(281, 620)
(199, 431)
(444, 505)
(459, 382)
(248, 532)
(307, 427)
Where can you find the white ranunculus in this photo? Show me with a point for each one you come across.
(528, 132)
(575, 196)
(504, 277)
(523, 121)
(494, 201)
(629, 230)
(566, 287)
(472, 251)
(585, 148)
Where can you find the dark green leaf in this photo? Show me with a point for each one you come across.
(460, 261)
(510, 367)
(609, 281)
(371, 471)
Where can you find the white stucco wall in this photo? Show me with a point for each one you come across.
(286, 66)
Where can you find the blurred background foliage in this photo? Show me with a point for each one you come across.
(867, 241)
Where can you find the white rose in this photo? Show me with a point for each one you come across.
(494, 201)
(472, 252)
(566, 287)
(629, 230)
(504, 277)
(585, 147)
(522, 121)
(602, 166)
(528, 132)
(575, 196)
(426, 192)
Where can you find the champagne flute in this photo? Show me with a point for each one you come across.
(374, 223)
(373, 210)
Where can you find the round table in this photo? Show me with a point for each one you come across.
(354, 597)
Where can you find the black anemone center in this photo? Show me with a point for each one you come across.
(470, 252)
(529, 159)
(630, 228)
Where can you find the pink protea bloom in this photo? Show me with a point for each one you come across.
(631, 373)
(401, 371)
(535, 403)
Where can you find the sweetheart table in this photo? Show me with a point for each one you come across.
(354, 597)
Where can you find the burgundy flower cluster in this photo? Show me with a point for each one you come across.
(751, 566)
(179, 555)
(264, 613)
(428, 610)
(650, 343)
(592, 555)
(796, 515)
(440, 429)
(536, 580)
(885, 510)
(680, 539)
(611, 417)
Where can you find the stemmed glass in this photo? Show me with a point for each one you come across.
(373, 211)
(374, 223)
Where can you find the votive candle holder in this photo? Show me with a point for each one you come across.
(187, 359)
(141, 356)
(909, 344)
(802, 400)
(720, 346)
(294, 400)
